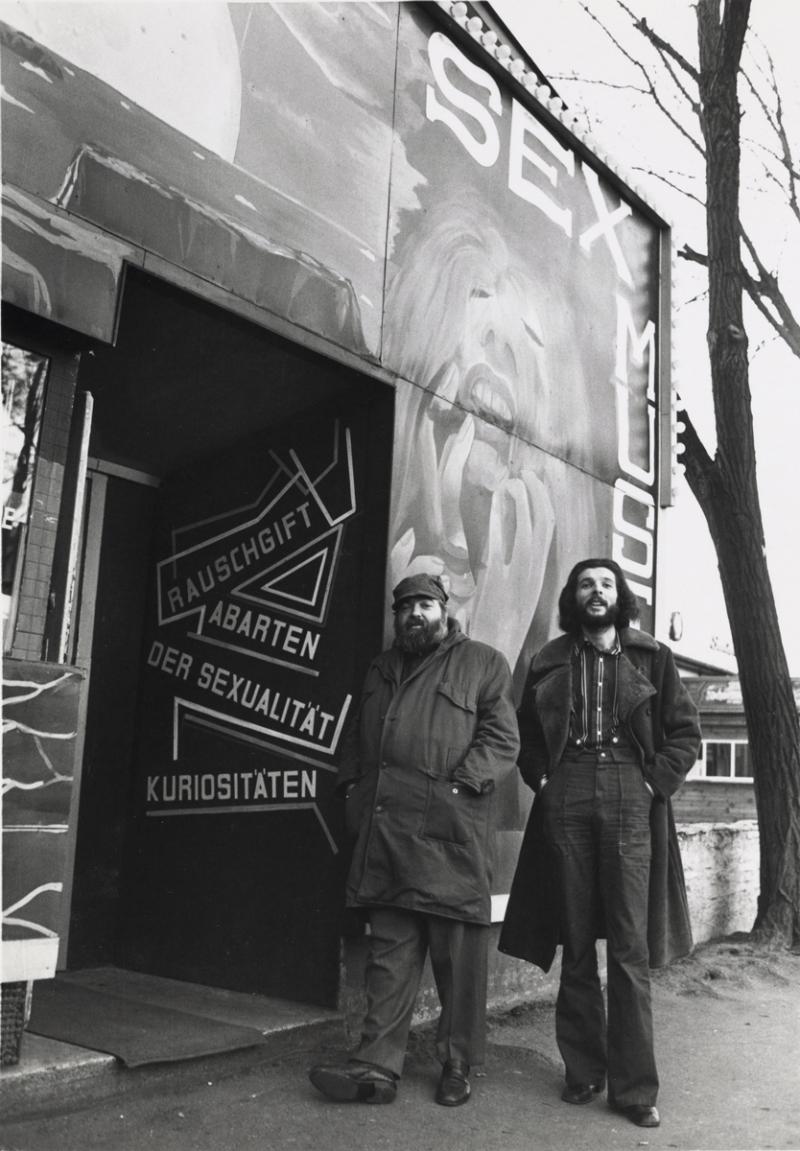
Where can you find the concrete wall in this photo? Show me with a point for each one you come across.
(721, 867)
(721, 864)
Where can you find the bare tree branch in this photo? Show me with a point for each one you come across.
(723, 35)
(735, 18)
(776, 122)
(598, 82)
(650, 87)
(694, 257)
(664, 47)
(764, 291)
(670, 182)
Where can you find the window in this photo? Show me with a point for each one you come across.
(727, 760)
(741, 761)
(40, 465)
(24, 375)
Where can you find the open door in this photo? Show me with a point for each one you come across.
(231, 597)
(260, 578)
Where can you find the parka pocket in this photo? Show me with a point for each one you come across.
(454, 814)
(456, 695)
(456, 720)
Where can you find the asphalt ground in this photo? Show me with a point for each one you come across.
(728, 1048)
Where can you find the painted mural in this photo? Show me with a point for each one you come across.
(248, 143)
(241, 610)
(355, 172)
(351, 168)
(40, 721)
(522, 311)
(364, 176)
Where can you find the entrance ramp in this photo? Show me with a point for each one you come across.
(144, 1024)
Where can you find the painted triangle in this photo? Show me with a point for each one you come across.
(298, 584)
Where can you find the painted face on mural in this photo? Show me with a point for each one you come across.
(496, 369)
(469, 503)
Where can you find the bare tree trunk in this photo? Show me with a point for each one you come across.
(30, 427)
(727, 492)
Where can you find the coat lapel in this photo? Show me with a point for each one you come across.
(554, 695)
(633, 688)
(554, 689)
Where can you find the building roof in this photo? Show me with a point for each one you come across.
(723, 692)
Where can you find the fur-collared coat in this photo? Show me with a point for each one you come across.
(661, 721)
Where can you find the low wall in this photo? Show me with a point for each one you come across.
(721, 866)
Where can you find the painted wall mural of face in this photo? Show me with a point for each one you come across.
(521, 322)
(471, 499)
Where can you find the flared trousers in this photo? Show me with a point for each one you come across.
(597, 821)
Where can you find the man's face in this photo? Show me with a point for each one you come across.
(596, 597)
(419, 623)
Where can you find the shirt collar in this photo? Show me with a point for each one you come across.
(582, 642)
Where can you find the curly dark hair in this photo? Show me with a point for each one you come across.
(627, 604)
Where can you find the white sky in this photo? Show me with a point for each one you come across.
(563, 40)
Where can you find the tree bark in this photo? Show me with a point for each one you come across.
(727, 491)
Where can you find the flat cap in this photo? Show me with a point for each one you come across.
(424, 584)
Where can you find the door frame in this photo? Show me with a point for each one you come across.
(82, 637)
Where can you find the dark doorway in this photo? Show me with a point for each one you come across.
(236, 605)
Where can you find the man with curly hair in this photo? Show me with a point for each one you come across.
(608, 733)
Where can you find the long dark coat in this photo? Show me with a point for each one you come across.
(419, 769)
(661, 721)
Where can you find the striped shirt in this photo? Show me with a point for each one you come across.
(594, 721)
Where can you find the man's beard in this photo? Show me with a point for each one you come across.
(598, 622)
(419, 638)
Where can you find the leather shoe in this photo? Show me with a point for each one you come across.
(454, 1088)
(642, 1114)
(354, 1083)
(581, 1092)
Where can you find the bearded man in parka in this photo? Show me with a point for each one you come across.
(435, 732)
(608, 734)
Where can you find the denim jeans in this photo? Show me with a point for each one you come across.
(597, 822)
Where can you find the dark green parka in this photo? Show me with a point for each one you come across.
(661, 720)
(418, 770)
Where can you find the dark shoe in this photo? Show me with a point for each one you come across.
(581, 1093)
(354, 1083)
(642, 1114)
(453, 1089)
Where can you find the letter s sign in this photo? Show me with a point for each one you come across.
(485, 151)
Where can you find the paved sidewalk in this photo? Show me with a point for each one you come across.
(52, 1074)
(728, 1040)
